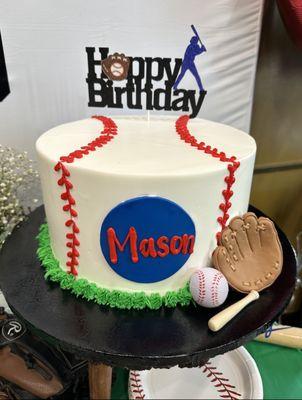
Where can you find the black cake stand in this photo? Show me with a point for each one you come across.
(131, 339)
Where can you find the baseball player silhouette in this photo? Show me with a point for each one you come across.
(192, 51)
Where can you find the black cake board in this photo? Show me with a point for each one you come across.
(130, 339)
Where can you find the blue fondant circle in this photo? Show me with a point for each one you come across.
(151, 217)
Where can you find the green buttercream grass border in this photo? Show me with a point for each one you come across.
(90, 291)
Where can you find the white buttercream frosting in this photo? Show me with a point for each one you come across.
(144, 158)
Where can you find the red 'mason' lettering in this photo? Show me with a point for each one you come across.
(113, 242)
(148, 247)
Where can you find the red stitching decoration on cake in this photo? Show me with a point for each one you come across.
(72, 244)
(221, 383)
(69, 207)
(233, 164)
(136, 385)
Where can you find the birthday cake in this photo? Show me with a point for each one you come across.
(135, 206)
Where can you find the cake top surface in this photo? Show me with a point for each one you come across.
(144, 147)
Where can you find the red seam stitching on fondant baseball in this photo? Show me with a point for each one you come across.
(201, 287)
(214, 289)
(233, 164)
(136, 386)
(72, 244)
(219, 381)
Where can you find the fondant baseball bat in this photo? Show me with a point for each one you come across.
(196, 34)
(223, 317)
(281, 335)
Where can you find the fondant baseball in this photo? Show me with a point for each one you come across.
(209, 288)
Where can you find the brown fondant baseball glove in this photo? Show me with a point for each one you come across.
(249, 253)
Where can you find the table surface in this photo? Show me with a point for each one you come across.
(131, 339)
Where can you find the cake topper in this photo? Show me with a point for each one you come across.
(150, 83)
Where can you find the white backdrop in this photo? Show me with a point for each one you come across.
(44, 44)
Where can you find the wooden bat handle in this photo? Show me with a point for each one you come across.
(283, 336)
(224, 316)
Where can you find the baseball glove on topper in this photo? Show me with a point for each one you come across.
(116, 66)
